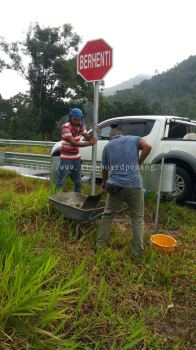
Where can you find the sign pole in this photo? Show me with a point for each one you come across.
(93, 62)
(94, 148)
(159, 195)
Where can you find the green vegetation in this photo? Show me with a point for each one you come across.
(26, 149)
(56, 293)
(169, 93)
(55, 87)
(53, 81)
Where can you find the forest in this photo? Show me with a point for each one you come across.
(54, 87)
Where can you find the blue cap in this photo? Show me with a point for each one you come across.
(76, 112)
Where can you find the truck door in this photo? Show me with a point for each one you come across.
(102, 139)
(146, 128)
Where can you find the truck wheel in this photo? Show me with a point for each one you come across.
(183, 184)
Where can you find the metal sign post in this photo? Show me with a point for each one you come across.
(93, 62)
(94, 148)
(159, 195)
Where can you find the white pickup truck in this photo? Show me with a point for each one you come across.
(171, 137)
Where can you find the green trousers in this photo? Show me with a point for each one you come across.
(134, 198)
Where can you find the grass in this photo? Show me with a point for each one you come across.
(56, 293)
(26, 149)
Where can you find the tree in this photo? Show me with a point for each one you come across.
(51, 73)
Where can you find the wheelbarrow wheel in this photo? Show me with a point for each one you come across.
(78, 231)
(71, 230)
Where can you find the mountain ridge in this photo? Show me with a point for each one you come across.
(172, 92)
(126, 84)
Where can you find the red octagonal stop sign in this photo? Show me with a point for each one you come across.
(94, 60)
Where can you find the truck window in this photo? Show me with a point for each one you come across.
(105, 129)
(181, 131)
(104, 132)
(137, 128)
(191, 133)
(177, 131)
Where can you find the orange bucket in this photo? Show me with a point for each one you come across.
(163, 243)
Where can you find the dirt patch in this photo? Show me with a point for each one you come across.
(22, 186)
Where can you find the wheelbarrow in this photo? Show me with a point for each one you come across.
(70, 205)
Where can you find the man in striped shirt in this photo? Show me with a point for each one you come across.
(70, 159)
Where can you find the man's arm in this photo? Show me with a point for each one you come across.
(87, 136)
(146, 148)
(91, 142)
(67, 136)
(105, 169)
(105, 173)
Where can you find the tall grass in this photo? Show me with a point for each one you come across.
(60, 294)
(34, 302)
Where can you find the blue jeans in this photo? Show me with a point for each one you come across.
(70, 168)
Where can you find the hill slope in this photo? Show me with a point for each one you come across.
(172, 92)
(128, 84)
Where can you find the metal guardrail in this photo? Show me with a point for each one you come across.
(150, 174)
(155, 177)
(4, 142)
(26, 160)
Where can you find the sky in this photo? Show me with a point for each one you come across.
(146, 35)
